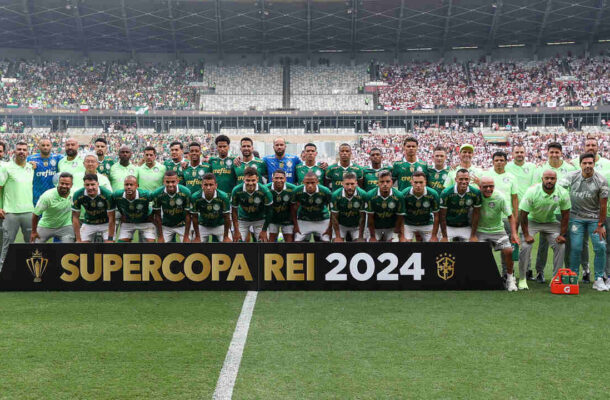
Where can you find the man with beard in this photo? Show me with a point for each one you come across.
(589, 198)
(371, 174)
(248, 160)
(222, 165)
(45, 167)
(16, 179)
(105, 162)
(176, 161)
(438, 173)
(457, 203)
(348, 210)
(591, 146)
(133, 204)
(122, 169)
(422, 207)
(281, 160)
(99, 212)
(151, 173)
(385, 211)
(171, 208)
(210, 212)
(54, 206)
(283, 198)
(251, 208)
(310, 216)
(71, 163)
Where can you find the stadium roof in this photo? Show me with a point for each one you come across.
(298, 26)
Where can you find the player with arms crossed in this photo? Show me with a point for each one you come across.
(385, 211)
(171, 208)
(210, 212)
(99, 211)
(348, 210)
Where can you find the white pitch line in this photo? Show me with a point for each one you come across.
(228, 373)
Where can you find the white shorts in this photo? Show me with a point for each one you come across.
(147, 230)
(354, 233)
(65, 234)
(386, 235)
(424, 230)
(250, 226)
(218, 232)
(463, 233)
(499, 241)
(276, 228)
(88, 232)
(170, 231)
(315, 228)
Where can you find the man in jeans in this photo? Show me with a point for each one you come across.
(589, 197)
(537, 212)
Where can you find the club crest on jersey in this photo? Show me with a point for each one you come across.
(140, 207)
(201, 172)
(100, 204)
(289, 164)
(555, 198)
(318, 201)
(216, 207)
(356, 204)
(75, 164)
(257, 200)
(492, 204)
(53, 162)
(156, 169)
(229, 162)
(318, 173)
(506, 180)
(469, 202)
(179, 202)
(391, 205)
(426, 204)
(286, 197)
(131, 170)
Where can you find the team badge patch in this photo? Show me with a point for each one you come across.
(318, 173)
(492, 204)
(257, 200)
(286, 197)
(156, 169)
(100, 204)
(356, 204)
(201, 172)
(140, 207)
(216, 207)
(53, 162)
(469, 202)
(318, 201)
(426, 204)
(391, 205)
(229, 163)
(289, 164)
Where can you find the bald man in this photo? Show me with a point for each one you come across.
(71, 163)
(537, 214)
(280, 160)
(45, 166)
(122, 169)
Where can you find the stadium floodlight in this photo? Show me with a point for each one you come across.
(464, 47)
(372, 50)
(330, 51)
(511, 45)
(603, 40)
(420, 49)
(558, 43)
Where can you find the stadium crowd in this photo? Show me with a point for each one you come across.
(437, 189)
(497, 84)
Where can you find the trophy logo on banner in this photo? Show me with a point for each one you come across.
(445, 266)
(37, 264)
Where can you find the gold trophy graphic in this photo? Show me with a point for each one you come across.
(37, 264)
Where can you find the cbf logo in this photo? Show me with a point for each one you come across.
(445, 266)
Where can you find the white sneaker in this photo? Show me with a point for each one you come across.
(600, 286)
(607, 282)
(511, 284)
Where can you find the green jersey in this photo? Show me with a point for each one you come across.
(210, 212)
(402, 171)
(303, 169)
(257, 163)
(170, 165)
(312, 207)
(543, 206)
(524, 175)
(493, 209)
(150, 178)
(561, 171)
(96, 208)
(348, 209)
(335, 172)
(419, 210)
(17, 192)
(75, 166)
(436, 178)
(282, 202)
(118, 173)
(103, 167)
(371, 178)
(225, 175)
(385, 209)
(194, 175)
(251, 206)
(134, 211)
(56, 211)
(458, 206)
(505, 184)
(474, 172)
(173, 206)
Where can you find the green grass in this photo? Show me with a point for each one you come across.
(114, 345)
(305, 345)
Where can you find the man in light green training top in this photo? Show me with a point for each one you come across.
(465, 154)
(71, 163)
(150, 174)
(55, 208)
(251, 208)
(494, 207)
(16, 179)
(171, 208)
(348, 210)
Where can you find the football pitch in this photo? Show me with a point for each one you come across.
(305, 345)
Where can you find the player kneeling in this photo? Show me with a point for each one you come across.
(171, 208)
(210, 212)
(348, 210)
(283, 199)
(310, 214)
(99, 206)
(52, 216)
(385, 210)
(422, 206)
(133, 204)
(491, 228)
